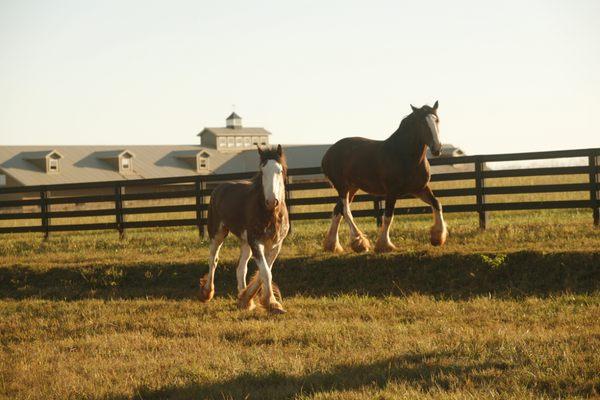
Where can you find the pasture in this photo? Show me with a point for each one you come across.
(511, 312)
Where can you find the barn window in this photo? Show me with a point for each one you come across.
(239, 141)
(125, 163)
(222, 141)
(53, 165)
(263, 140)
(203, 163)
(255, 140)
(230, 142)
(2, 180)
(247, 141)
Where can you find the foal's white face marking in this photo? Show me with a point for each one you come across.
(272, 181)
(433, 123)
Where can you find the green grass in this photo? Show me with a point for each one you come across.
(511, 312)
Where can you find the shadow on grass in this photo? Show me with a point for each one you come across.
(430, 371)
(416, 370)
(447, 276)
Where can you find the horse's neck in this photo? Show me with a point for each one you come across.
(407, 143)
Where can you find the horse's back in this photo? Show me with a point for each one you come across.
(350, 157)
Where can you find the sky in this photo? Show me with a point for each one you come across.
(509, 75)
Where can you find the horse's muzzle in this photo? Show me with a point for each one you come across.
(271, 204)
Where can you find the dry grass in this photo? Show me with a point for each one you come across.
(511, 312)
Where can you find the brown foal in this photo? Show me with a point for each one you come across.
(256, 213)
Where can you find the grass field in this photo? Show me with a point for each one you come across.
(511, 312)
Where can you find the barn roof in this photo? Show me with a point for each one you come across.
(235, 131)
(88, 163)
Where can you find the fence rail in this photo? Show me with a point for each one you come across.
(197, 188)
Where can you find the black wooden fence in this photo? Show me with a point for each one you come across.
(42, 198)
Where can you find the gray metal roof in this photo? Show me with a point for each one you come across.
(88, 163)
(235, 131)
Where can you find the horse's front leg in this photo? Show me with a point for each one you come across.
(384, 244)
(264, 279)
(438, 232)
(358, 241)
(242, 270)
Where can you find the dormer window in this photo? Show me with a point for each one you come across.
(47, 161)
(202, 161)
(125, 163)
(120, 160)
(53, 165)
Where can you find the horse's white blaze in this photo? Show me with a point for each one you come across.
(272, 180)
(432, 121)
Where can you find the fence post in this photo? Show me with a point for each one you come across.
(44, 208)
(288, 197)
(119, 190)
(377, 207)
(201, 214)
(480, 196)
(594, 162)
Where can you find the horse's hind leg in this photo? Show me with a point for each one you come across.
(332, 240)
(438, 232)
(358, 241)
(384, 244)
(207, 283)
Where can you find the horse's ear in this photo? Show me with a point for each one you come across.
(260, 151)
(435, 106)
(279, 150)
(415, 109)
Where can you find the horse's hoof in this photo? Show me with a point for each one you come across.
(333, 247)
(384, 247)
(276, 308)
(244, 304)
(438, 237)
(360, 244)
(205, 294)
(277, 311)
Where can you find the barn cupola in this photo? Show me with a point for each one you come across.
(233, 121)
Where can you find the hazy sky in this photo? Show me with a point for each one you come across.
(509, 75)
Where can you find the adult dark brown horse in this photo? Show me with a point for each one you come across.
(391, 168)
(256, 213)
